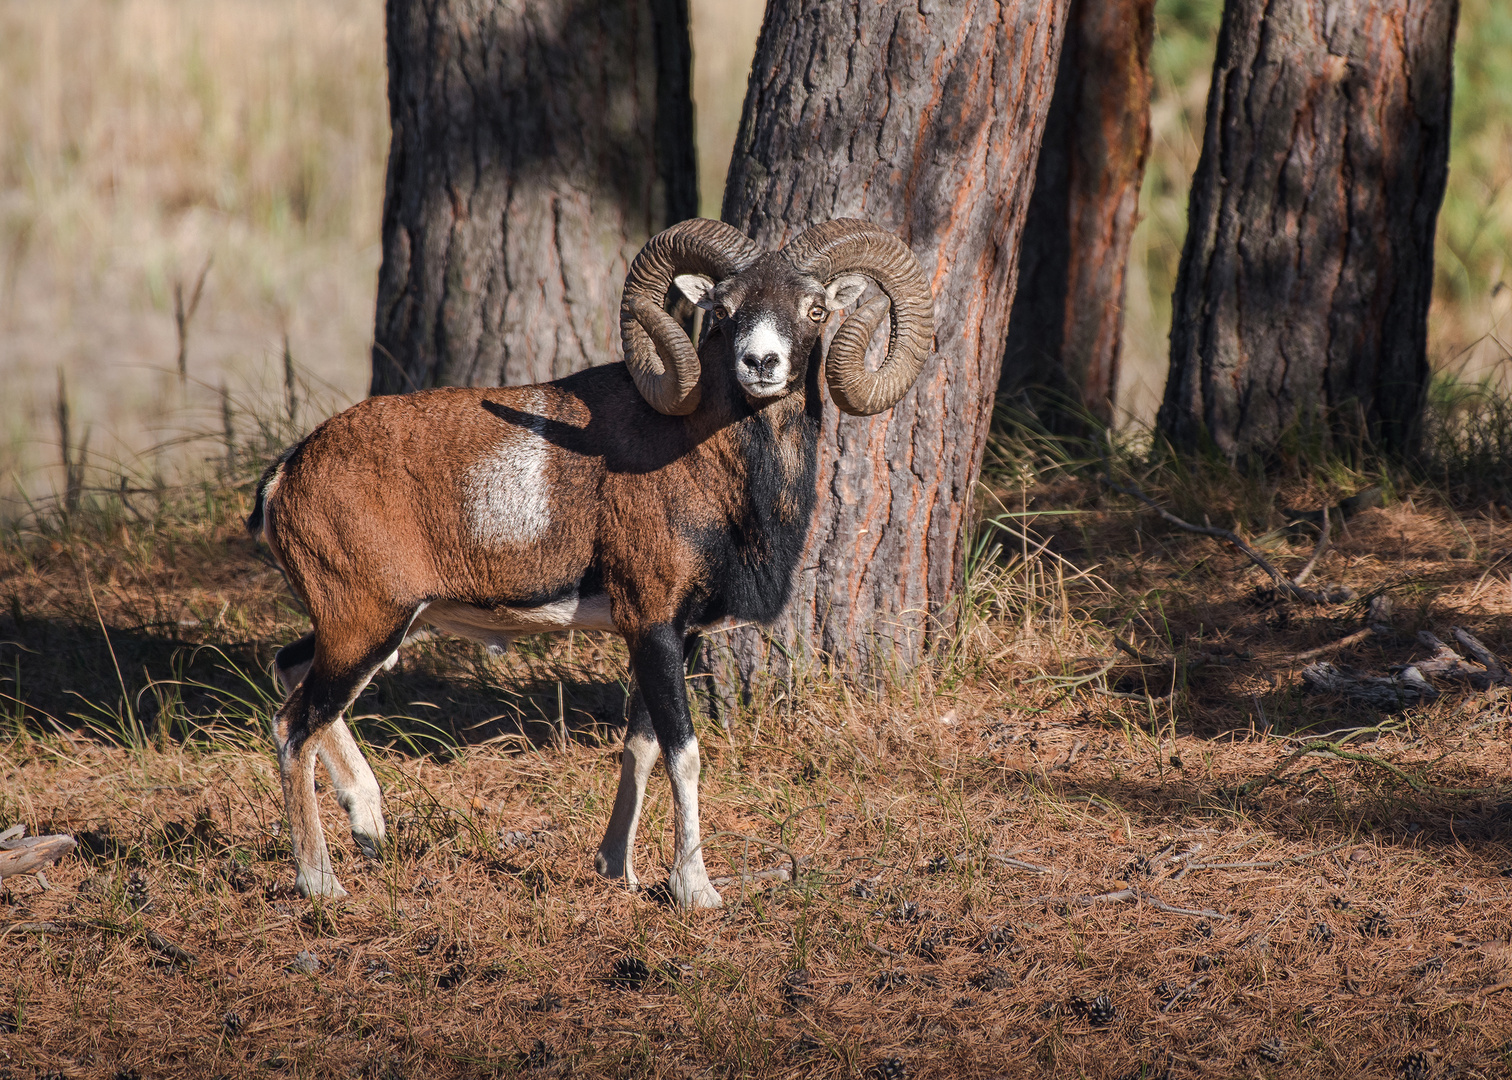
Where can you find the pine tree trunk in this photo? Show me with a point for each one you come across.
(1302, 297)
(1067, 319)
(536, 146)
(926, 119)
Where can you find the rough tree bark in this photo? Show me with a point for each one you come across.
(536, 146)
(1302, 296)
(926, 119)
(1067, 318)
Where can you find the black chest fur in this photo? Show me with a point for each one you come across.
(752, 565)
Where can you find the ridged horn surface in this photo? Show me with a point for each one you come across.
(661, 359)
(848, 246)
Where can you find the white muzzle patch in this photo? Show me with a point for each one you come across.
(762, 360)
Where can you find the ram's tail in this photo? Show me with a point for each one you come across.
(269, 476)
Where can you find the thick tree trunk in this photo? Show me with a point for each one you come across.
(536, 146)
(1067, 317)
(926, 119)
(1302, 296)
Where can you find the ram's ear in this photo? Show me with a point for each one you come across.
(844, 291)
(696, 287)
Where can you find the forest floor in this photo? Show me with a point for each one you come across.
(1040, 856)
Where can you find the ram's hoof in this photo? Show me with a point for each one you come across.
(371, 846)
(317, 883)
(694, 895)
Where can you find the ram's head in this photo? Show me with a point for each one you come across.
(771, 307)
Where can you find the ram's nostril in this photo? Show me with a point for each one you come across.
(769, 361)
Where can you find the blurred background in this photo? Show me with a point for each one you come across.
(155, 153)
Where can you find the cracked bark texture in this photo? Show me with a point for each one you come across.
(1067, 321)
(537, 144)
(1302, 296)
(924, 118)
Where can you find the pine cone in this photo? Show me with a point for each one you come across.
(795, 988)
(995, 940)
(1099, 1012)
(989, 978)
(889, 1069)
(1375, 925)
(238, 876)
(1320, 932)
(540, 1056)
(1415, 1066)
(135, 894)
(630, 973)
(1272, 1050)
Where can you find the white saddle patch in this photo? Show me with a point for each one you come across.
(508, 499)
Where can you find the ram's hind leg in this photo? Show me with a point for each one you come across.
(356, 787)
(343, 662)
(616, 854)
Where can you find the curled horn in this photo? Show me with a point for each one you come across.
(661, 359)
(848, 246)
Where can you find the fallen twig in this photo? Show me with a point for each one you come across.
(1186, 993)
(1069, 758)
(776, 873)
(1322, 546)
(1333, 646)
(1125, 695)
(1482, 655)
(880, 951)
(1019, 864)
(1283, 583)
(1270, 864)
(1138, 896)
(163, 947)
(1125, 647)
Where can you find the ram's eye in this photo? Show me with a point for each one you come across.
(817, 312)
(721, 312)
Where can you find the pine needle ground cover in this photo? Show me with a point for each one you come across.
(1048, 853)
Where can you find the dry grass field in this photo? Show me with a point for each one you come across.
(144, 140)
(1042, 855)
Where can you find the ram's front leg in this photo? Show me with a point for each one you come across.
(616, 855)
(657, 656)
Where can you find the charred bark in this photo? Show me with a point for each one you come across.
(925, 119)
(1067, 319)
(1302, 296)
(536, 146)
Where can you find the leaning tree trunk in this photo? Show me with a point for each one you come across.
(1067, 320)
(1302, 297)
(536, 146)
(925, 119)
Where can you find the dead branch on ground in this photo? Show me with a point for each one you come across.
(20, 854)
(1283, 583)
(1290, 586)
